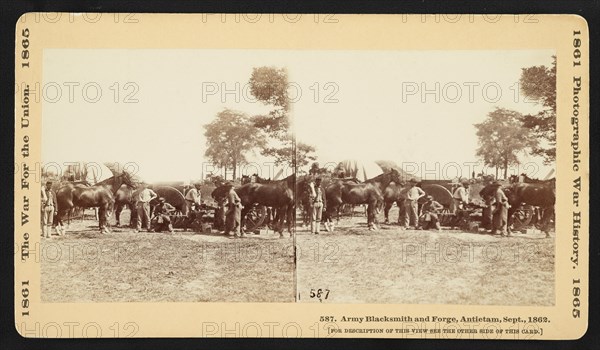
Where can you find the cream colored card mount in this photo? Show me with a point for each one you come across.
(300, 175)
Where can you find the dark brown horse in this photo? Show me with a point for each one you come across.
(542, 195)
(393, 193)
(278, 195)
(369, 192)
(99, 196)
(124, 198)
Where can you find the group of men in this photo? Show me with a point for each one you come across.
(495, 212)
(161, 220)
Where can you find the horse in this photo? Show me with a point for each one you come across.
(304, 188)
(124, 198)
(369, 192)
(393, 193)
(542, 195)
(99, 196)
(276, 194)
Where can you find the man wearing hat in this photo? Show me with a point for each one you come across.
(500, 210)
(429, 214)
(411, 206)
(234, 212)
(318, 202)
(161, 213)
(461, 195)
(193, 197)
(49, 209)
(194, 203)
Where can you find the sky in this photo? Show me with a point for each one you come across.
(416, 108)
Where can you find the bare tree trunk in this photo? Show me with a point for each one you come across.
(225, 172)
(234, 169)
(496, 172)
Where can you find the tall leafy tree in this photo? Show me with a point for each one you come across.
(502, 137)
(230, 137)
(270, 86)
(538, 84)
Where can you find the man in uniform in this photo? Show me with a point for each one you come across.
(161, 213)
(318, 202)
(234, 212)
(411, 205)
(500, 210)
(49, 209)
(429, 217)
(143, 206)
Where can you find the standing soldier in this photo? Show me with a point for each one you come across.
(500, 210)
(234, 212)
(193, 197)
(319, 203)
(488, 214)
(461, 195)
(411, 205)
(49, 209)
(143, 206)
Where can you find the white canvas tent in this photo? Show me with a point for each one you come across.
(89, 172)
(360, 169)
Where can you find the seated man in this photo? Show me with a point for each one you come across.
(162, 220)
(429, 214)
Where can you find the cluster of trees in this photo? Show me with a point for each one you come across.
(233, 135)
(505, 133)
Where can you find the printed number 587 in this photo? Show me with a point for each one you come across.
(319, 294)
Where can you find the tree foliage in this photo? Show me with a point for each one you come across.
(538, 83)
(270, 86)
(502, 137)
(230, 137)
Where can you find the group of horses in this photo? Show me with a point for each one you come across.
(284, 196)
(102, 195)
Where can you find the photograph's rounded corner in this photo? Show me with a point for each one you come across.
(22, 19)
(582, 21)
(580, 332)
(24, 334)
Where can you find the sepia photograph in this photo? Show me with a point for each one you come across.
(434, 178)
(199, 155)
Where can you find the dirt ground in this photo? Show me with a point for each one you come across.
(356, 265)
(124, 266)
(350, 265)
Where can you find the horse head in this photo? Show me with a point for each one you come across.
(219, 193)
(395, 176)
(126, 179)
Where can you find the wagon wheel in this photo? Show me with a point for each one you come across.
(522, 218)
(255, 218)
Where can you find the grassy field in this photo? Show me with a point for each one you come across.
(350, 265)
(124, 266)
(424, 267)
